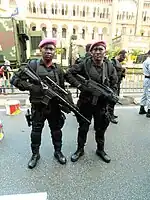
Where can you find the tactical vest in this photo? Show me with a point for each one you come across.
(92, 73)
(42, 72)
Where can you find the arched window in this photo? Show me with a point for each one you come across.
(78, 10)
(87, 11)
(44, 31)
(83, 33)
(64, 31)
(93, 34)
(34, 8)
(101, 15)
(130, 30)
(30, 7)
(98, 11)
(45, 11)
(33, 28)
(74, 31)
(123, 31)
(104, 12)
(56, 8)
(66, 10)
(64, 53)
(52, 9)
(63, 11)
(127, 15)
(123, 15)
(104, 31)
(41, 9)
(118, 15)
(83, 12)
(94, 12)
(107, 13)
(74, 11)
(54, 32)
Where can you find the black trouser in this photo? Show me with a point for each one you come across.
(54, 116)
(111, 108)
(118, 87)
(101, 122)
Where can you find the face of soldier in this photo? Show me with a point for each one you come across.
(98, 53)
(48, 52)
(121, 57)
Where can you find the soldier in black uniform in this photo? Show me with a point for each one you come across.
(39, 111)
(116, 61)
(120, 70)
(97, 69)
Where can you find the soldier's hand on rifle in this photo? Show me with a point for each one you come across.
(24, 85)
(83, 88)
(37, 89)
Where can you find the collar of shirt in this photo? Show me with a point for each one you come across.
(52, 66)
(148, 59)
(97, 66)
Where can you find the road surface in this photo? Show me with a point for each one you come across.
(127, 177)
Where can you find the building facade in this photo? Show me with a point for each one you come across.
(87, 19)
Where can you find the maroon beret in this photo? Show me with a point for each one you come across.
(47, 41)
(99, 43)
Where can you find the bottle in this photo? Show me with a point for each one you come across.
(1, 131)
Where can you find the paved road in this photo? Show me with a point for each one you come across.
(127, 177)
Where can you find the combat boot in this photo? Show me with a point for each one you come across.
(142, 110)
(33, 161)
(103, 155)
(148, 113)
(115, 116)
(60, 157)
(35, 156)
(113, 120)
(79, 152)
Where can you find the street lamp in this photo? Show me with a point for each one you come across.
(137, 12)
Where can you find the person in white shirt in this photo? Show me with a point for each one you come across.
(146, 86)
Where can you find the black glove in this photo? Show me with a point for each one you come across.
(37, 90)
(23, 85)
(82, 88)
(87, 89)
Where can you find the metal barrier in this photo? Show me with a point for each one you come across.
(133, 83)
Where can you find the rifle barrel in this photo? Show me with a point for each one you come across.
(56, 85)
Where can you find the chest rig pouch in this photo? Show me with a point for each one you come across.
(99, 75)
(42, 72)
(53, 73)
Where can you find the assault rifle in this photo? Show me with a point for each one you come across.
(98, 89)
(53, 90)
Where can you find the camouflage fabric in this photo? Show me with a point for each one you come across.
(7, 39)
